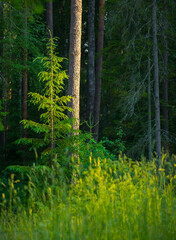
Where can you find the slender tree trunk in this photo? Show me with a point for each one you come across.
(91, 57)
(75, 59)
(1, 74)
(156, 81)
(25, 78)
(5, 77)
(20, 102)
(49, 24)
(52, 99)
(149, 113)
(165, 78)
(49, 17)
(99, 68)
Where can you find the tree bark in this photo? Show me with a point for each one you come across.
(149, 113)
(5, 76)
(165, 79)
(25, 75)
(49, 17)
(91, 58)
(75, 60)
(99, 68)
(1, 75)
(156, 82)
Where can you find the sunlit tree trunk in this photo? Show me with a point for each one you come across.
(99, 63)
(75, 60)
(156, 81)
(91, 57)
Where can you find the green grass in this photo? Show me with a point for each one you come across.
(108, 200)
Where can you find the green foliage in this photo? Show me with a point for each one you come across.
(112, 200)
(2, 115)
(116, 146)
(54, 123)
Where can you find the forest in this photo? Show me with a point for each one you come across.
(87, 119)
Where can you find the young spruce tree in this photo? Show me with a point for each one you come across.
(54, 122)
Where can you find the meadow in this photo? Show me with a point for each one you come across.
(107, 200)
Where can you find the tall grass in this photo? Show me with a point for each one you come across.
(109, 200)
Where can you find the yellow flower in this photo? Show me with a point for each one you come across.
(98, 162)
(12, 176)
(17, 181)
(90, 159)
(161, 169)
(3, 195)
(30, 211)
(49, 190)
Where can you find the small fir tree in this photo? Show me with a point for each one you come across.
(54, 123)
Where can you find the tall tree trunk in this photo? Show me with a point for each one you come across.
(25, 78)
(49, 17)
(165, 78)
(149, 113)
(99, 68)
(20, 102)
(75, 60)
(156, 81)
(91, 57)
(1, 74)
(6, 51)
(49, 24)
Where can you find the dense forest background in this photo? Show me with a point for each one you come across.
(119, 62)
(87, 119)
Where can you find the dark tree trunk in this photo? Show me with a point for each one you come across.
(165, 79)
(75, 60)
(1, 75)
(156, 82)
(99, 68)
(5, 76)
(25, 76)
(49, 17)
(49, 24)
(149, 113)
(91, 58)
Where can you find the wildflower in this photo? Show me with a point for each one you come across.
(90, 159)
(98, 162)
(17, 181)
(49, 190)
(12, 176)
(161, 169)
(3, 195)
(30, 211)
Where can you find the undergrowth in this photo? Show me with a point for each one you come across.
(119, 199)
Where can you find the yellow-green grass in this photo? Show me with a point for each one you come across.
(120, 200)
